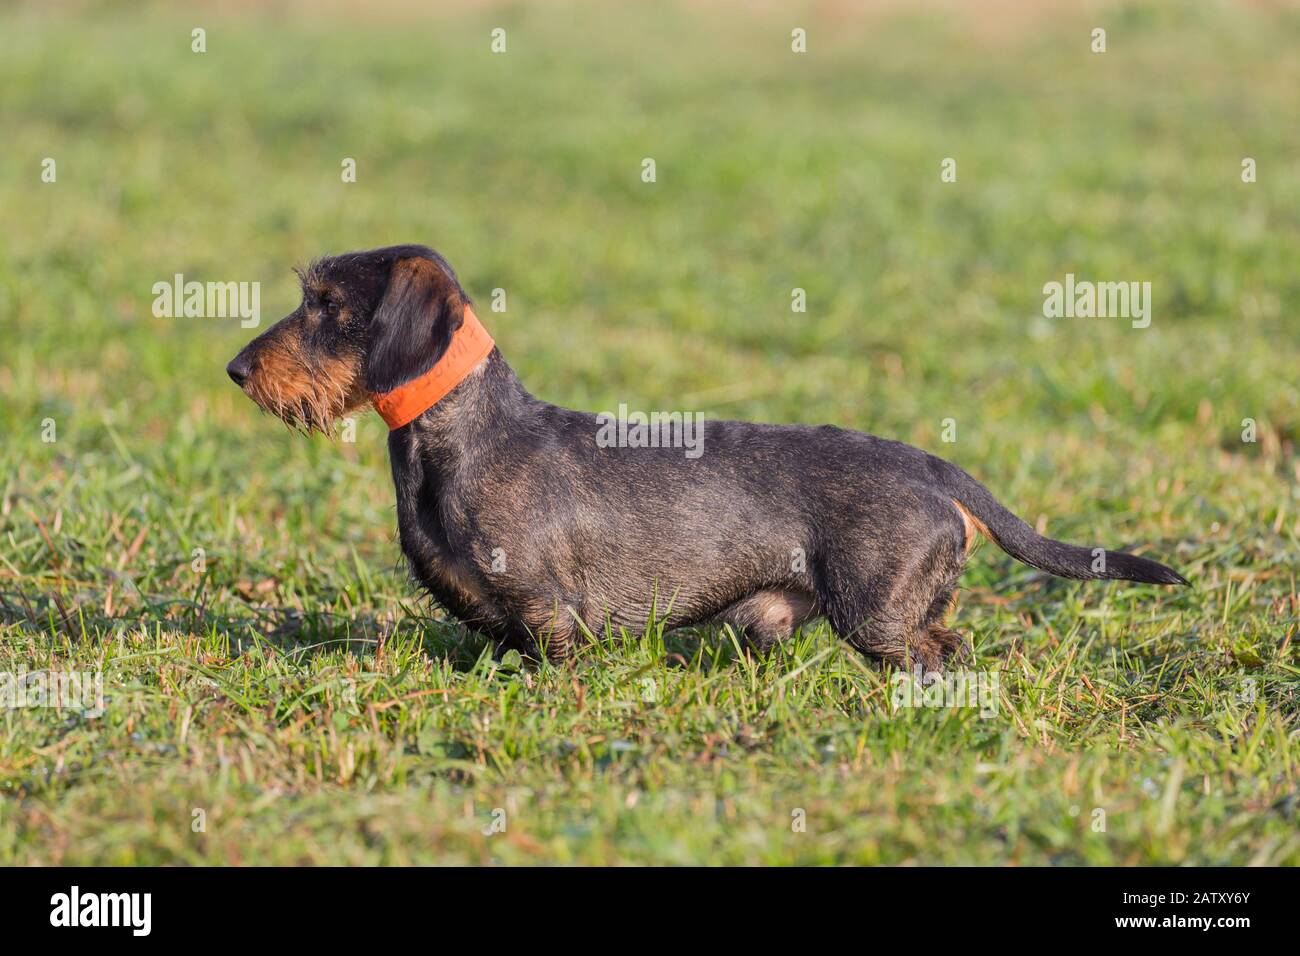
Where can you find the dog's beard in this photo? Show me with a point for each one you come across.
(312, 401)
(302, 413)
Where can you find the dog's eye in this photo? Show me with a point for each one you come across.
(329, 307)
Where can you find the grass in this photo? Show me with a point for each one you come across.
(275, 690)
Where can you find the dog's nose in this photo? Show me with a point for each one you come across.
(238, 369)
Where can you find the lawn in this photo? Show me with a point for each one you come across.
(275, 690)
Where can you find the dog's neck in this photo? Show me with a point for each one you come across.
(464, 403)
(470, 345)
(479, 412)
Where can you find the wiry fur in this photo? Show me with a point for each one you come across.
(306, 393)
(513, 518)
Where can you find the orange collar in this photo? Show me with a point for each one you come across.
(470, 344)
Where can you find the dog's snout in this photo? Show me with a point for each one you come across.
(239, 368)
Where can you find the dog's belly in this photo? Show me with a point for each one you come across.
(635, 551)
(678, 586)
(772, 611)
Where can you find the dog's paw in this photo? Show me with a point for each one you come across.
(950, 647)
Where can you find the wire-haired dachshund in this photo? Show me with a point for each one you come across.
(528, 528)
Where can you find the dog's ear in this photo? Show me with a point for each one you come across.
(413, 324)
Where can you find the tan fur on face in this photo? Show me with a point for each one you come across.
(304, 394)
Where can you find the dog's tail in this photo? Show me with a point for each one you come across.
(982, 512)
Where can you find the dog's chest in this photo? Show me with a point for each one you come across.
(432, 560)
(445, 576)
(452, 584)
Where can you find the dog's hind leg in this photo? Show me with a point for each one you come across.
(768, 617)
(892, 608)
(952, 646)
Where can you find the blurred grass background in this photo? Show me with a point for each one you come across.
(774, 171)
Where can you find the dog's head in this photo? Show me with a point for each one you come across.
(368, 322)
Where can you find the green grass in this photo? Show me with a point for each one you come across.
(300, 694)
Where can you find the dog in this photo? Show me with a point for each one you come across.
(524, 527)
